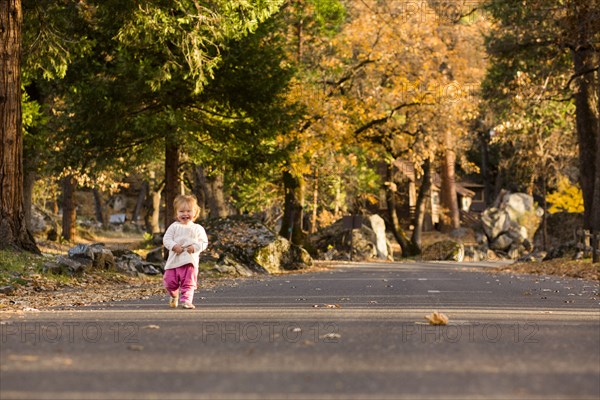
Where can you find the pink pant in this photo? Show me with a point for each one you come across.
(184, 278)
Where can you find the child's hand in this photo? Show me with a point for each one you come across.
(177, 249)
(190, 249)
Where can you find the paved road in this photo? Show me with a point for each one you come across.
(520, 337)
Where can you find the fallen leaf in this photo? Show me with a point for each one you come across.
(437, 318)
(332, 336)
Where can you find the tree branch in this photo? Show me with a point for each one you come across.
(384, 119)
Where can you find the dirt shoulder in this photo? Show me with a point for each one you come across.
(583, 269)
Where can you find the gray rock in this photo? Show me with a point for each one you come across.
(502, 242)
(130, 263)
(246, 242)
(381, 243)
(445, 250)
(82, 253)
(510, 225)
(336, 242)
(148, 269)
(70, 266)
(280, 255)
(228, 264)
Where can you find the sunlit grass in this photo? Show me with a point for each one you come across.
(15, 265)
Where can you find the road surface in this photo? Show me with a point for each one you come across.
(356, 331)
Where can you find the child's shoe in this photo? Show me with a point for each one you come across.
(173, 302)
(188, 305)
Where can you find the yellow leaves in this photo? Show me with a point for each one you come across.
(567, 198)
(437, 318)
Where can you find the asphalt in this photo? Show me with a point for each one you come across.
(356, 331)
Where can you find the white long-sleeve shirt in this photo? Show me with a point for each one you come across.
(190, 234)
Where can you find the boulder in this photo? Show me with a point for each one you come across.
(249, 246)
(336, 242)
(510, 225)
(382, 245)
(445, 250)
(93, 255)
(65, 266)
(130, 263)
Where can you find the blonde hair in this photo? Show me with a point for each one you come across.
(186, 200)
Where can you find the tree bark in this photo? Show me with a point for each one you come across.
(98, 206)
(545, 216)
(586, 129)
(392, 215)
(171, 179)
(139, 205)
(200, 190)
(13, 223)
(421, 206)
(596, 199)
(448, 190)
(313, 218)
(152, 204)
(291, 224)
(28, 183)
(69, 206)
(213, 185)
(216, 195)
(485, 156)
(152, 216)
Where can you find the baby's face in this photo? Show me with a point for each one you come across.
(185, 214)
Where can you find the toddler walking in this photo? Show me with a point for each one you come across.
(185, 240)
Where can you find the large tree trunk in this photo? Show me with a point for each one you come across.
(313, 218)
(291, 224)
(99, 206)
(171, 179)
(141, 200)
(214, 195)
(596, 199)
(28, 183)
(152, 216)
(200, 190)
(152, 204)
(13, 224)
(586, 128)
(393, 222)
(484, 137)
(420, 208)
(448, 189)
(69, 206)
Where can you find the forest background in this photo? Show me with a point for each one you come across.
(289, 109)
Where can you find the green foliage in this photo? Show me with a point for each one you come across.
(329, 15)
(567, 198)
(185, 37)
(528, 102)
(54, 35)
